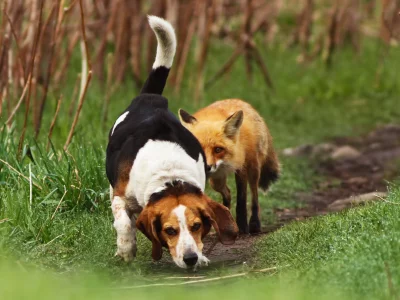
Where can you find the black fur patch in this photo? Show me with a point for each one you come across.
(268, 175)
(176, 188)
(186, 117)
(148, 119)
(156, 81)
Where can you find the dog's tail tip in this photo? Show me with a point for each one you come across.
(166, 47)
(166, 41)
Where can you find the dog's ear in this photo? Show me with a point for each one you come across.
(186, 118)
(233, 123)
(149, 223)
(221, 219)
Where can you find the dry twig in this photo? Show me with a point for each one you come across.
(19, 173)
(8, 122)
(198, 281)
(85, 80)
(33, 55)
(50, 64)
(59, 204)
(53, 122)
(21, 62)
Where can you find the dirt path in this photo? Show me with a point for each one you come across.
(351, 166)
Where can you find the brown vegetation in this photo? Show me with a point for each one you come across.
(38, 39)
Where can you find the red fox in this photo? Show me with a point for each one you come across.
(236, 139)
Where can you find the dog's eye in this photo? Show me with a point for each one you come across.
(170, 231)
(218, 149)
(196, 226)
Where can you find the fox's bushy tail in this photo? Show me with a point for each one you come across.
(166, 47)
(270, 170)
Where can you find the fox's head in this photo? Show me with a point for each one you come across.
(218, 138)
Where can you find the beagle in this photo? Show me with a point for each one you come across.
(157, 172)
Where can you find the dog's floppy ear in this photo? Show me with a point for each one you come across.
(186, 118)
(149, 223)
(233, 123)
(221, 219)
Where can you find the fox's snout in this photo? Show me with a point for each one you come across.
(212, 168)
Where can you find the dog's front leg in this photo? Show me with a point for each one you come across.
(126, 229)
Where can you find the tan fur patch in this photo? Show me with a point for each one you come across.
(124, 169)
(253, 144)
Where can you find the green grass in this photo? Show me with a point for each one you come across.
(63, 239)
(338, 256)
(347, 251)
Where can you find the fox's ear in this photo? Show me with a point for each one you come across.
(233, 123)
(186, 118)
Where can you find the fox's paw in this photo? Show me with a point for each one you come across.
(242, 225)
(244, 229)
(254, 225)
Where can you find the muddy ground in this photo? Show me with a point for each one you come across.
(349, 166)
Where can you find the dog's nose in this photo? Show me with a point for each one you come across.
(190, 258)
(208, 169)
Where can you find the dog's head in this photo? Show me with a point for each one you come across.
(178, 219)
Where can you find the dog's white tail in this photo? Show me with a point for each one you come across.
(166, 47)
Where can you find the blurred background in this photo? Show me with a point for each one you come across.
(57, 51)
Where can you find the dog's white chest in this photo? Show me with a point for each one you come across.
(159, 162)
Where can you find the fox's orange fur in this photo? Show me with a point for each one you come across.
(236, 139)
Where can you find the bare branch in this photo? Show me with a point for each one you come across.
(85, 79)
(32, 64)
(8, 122)
(53, 122)
(16, 41)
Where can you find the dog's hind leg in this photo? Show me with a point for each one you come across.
(125, 225)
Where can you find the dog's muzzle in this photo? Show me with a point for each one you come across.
(190, 258)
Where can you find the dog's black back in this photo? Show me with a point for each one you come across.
(148, 118)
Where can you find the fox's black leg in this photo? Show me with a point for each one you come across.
(241, 207)
(254, 224)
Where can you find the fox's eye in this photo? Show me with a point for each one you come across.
(196, 226)
(218, 149)
(170, 231)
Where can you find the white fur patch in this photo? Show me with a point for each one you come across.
(159, 162)
(217, 165)
(120, 119)
(166, 42)
(186, 242)
(126, 230)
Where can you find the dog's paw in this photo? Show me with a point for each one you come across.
(127, 256)
(127, 253)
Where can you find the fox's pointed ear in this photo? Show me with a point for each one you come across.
(233, 123)
(186, 118)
